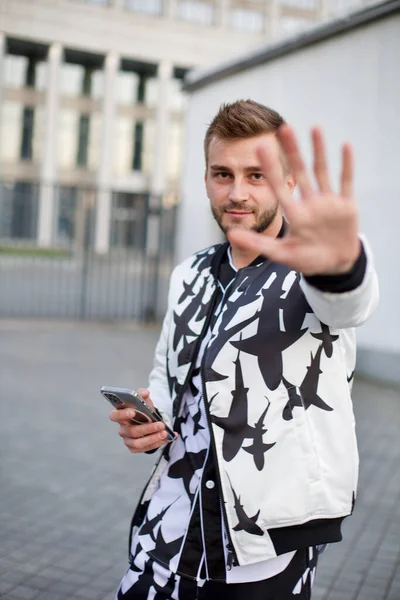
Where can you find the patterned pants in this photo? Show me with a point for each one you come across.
(148, 580)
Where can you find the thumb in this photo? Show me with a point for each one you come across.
(250, 240)
(277, 250)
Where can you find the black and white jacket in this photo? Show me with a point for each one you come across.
(276, 378)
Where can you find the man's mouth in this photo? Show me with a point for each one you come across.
(239, 213)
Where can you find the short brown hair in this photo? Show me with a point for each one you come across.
(242, 119)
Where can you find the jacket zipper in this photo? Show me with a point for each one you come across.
(165, 451)
(231, 555)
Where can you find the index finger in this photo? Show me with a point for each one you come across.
(122, 416)
(346, 178)
(291, 149)
(145, 394)
(273, 172)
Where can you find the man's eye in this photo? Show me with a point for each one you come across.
(257, 176)
(222, 175)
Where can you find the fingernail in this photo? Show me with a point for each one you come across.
(162, 435)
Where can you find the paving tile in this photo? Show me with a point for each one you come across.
(15, 577)
(40, 582)
(52, 596)
(5, 587)
(64, 587)
(66, 506)
(24, 593)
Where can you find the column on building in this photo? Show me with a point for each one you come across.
(2, 79)
(272, 19)
(118, 4)
(223, 7)
(49, 161)
(171, 9)
(159, 180)
(322, 9)
(105, 173)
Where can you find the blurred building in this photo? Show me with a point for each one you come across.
(91, 107)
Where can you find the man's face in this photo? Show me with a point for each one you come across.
(239, 194)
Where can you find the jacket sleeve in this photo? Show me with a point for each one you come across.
(346, 309)
(158, 378)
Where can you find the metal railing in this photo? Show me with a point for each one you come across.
(68, 278)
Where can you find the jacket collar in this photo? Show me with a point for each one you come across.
(221, 250)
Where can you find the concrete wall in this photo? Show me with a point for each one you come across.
(349, 84)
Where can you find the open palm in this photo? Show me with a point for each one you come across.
(322, 235)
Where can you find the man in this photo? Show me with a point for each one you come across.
(253, 370)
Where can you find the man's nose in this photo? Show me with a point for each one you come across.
(238, 191)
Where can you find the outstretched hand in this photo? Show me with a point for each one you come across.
(322, 235)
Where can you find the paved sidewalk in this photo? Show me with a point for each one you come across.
(68, 485)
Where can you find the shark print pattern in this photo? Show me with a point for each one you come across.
(307, 395)
(259, 447)
(249, 369)
(326, 338)
(309, 385)
(149, 526)
(148, 580)
(246, 523)
(236, 427)
(269, 356)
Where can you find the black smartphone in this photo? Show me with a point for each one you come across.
(125, 398)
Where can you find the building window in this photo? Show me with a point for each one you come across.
(138, 146)
(72, 79)
(21, 132)
(150, 7)
(27, 134)
(302, 4)
(10, 121)
(84, 122)
(243, 19)
(176, 97)
(28, 117)
(67, 130)
(83, 141)
(67, 209)
(21, 120)
(197, 11)
(15, 71)
(139, 126)
(129, 213)
(19, 210)
(97, 2)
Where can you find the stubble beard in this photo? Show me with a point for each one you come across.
(262, 222)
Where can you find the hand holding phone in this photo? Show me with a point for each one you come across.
(141, 426)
